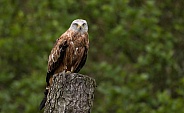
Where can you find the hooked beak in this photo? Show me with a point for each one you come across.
(79, 27)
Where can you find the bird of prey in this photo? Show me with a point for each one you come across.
(69, 53)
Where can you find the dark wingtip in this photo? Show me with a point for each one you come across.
(42, 104)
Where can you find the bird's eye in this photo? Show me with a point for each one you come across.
(75, 24)
(83, 24)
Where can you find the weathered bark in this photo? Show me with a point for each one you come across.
(70, 93)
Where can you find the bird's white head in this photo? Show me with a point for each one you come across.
(79, 25)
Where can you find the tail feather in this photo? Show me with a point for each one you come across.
(42, 104)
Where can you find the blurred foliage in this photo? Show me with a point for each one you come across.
(136, 52)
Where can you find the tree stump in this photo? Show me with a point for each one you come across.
(70, 93)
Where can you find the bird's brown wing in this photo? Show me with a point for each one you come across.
(83, 60)
(56, 56)
(82, 52)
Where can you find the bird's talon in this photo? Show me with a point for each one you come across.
(68, 72)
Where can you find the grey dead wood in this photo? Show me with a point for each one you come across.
(70, 93)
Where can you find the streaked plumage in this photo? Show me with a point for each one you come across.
(69, 52)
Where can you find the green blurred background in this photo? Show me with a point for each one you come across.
(136, 52)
